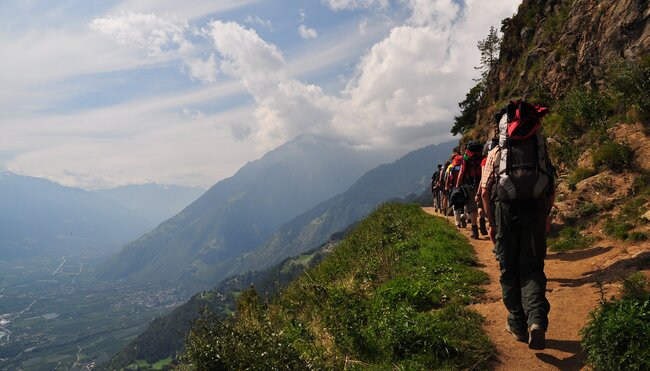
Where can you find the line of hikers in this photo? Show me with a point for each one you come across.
(510, 181)
(455, 187)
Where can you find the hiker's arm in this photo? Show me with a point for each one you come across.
(486, 196)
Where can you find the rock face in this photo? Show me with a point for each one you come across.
(550, 45)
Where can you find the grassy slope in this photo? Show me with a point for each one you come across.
(393, 294)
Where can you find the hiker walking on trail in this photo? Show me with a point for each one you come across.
(469, 178)
(518, 180)
(443, 193)
(435, 188)
(457, 196)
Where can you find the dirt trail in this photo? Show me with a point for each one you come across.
(572, 292)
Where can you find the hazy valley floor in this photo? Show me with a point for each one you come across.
(572, 291)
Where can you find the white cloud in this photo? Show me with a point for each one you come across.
(363, 26)
(255, 20)
(146, 31)
(168, 38)
(402, 94)
(306, 32)
(202, 70)
(354, 4)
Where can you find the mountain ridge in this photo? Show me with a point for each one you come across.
(238, 213)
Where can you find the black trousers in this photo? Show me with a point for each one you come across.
(521, 250)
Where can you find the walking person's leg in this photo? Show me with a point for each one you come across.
(531, 272)
(507, 249)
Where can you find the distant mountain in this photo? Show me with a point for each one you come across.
(409, 175)
(238, 214)
(39, 217)
(154, 203)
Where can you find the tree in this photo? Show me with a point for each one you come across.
(474, 100)
(489, 48)
(468, 109)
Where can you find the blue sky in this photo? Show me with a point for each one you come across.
(103, 93)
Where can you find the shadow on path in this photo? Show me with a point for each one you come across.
(579, 254)
(574, 362)
(611, 273)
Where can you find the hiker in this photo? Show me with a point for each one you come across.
(443, 194)
(457, 198)
(435, 188)
(519, 181)
(469, 178)
(478, 198)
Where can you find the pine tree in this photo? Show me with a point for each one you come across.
(489, 48)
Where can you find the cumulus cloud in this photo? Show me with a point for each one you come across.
(146, 31)
(404, 91)
(160, 38)
(285, 106)
(306, 32)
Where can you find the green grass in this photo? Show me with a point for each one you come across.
(618, 335)
(613, 156)
(617, 228)
(569, 239)
(392, 295)
(144, 365)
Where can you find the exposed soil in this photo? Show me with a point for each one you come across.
(573, 292)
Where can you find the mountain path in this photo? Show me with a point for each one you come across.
(572, 290)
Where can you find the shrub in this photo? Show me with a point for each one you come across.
(642, 184)
(633, 209)
(570, 239)
(637, 237)
(630, 86)
(580, 112)
(614, 156)
(617, 228)
(587, 209)
(635, 286)
(579, 174)
(618, 335)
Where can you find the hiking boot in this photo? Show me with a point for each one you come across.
(482, 227)
(523, 337)
(475, 232)
(537, 339)
(463, 221)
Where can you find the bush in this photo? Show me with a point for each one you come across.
(630, 86)
(614, 156)
(579, 174)
(618, 335)
(642, 184)
(570, 239)
(637, 237)
(580, 112)
(587, 209)
(616, 228)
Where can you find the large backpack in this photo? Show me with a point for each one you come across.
(524, 168)
(472, 164)
(456, 164)
(434, 180)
